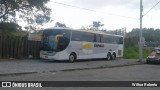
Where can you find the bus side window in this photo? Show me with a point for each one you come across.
(120, 40)
(101, 38)
(104, 39)
(114, 39)
(98, 38)
(76, 36)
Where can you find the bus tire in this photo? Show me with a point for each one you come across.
(108, 56)
(72, 57)
(114, 56)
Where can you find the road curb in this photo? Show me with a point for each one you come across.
(101, 67)
(20, 73)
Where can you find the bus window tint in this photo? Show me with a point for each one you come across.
(111, 39)
(114, 39)
(66, 33)
(55, 39)
(63, 42)
(98, 38)
(82, 36)
(51, 32)
(120, 40)
(105, 39)
(76, 36)
(89, 37)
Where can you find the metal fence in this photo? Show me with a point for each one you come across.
(18, 47)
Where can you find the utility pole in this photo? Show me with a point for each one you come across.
(140, 34)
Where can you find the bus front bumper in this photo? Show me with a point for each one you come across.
(47, 57)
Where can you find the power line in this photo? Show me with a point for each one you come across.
(151, 8)
(93, 10)
(158, 7)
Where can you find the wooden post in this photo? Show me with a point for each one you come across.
(15, 48)
(7, 46)
(4, 47)
(11, 46)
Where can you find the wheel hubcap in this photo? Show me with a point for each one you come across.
(71, 58)
(108, 57)
(113, 57)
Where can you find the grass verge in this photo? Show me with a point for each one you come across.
(132, 52)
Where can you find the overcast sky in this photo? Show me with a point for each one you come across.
(114, 14)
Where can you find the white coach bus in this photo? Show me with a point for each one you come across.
(69, 44)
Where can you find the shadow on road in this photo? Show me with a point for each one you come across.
(77, 61)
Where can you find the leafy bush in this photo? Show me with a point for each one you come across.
(132, 52)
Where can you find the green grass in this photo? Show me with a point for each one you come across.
(132, 52)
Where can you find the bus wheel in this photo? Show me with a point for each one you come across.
(113, 56)
(72, 57)
(108, 56)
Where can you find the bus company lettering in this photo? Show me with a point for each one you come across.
(98, 45)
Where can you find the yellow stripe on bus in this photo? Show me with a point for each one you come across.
(86, 46)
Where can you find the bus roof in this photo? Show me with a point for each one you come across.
(96, 32)
(83, 30)
(59, 28)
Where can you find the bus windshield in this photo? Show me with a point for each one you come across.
(55, 39)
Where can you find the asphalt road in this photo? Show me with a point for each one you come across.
(8, 67)
(117, 70)
(128, 73)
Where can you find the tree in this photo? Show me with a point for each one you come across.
(30, 11)
(11, 27)
(97, 24)
(150, 35)
(58, 24)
